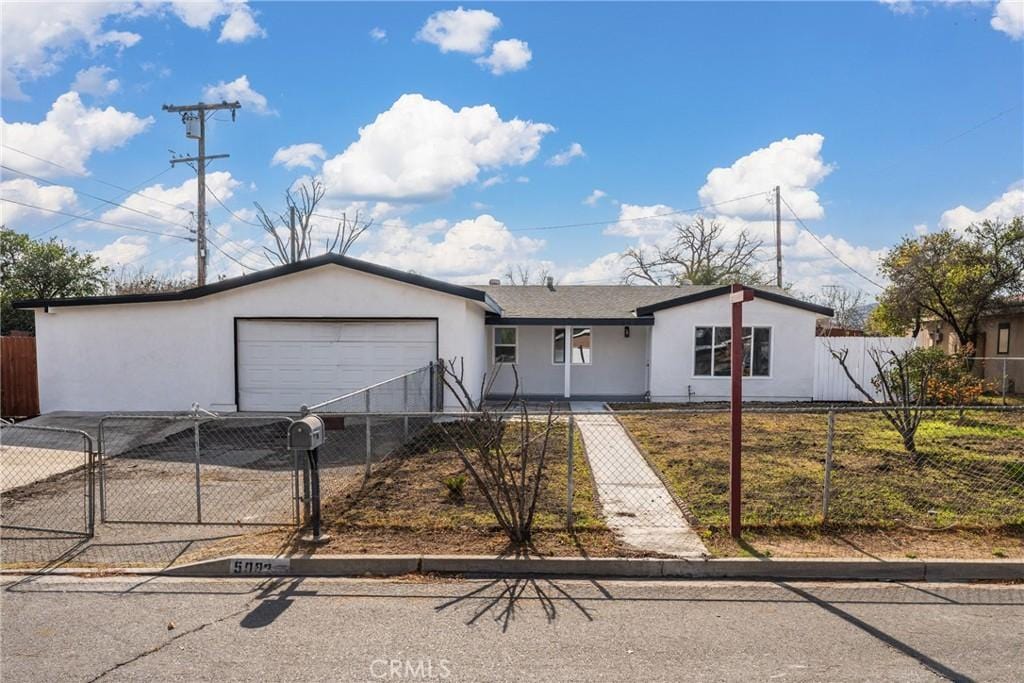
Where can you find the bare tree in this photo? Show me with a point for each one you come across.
(903, 381)
(294, 246)
(850, 306)
(699, 255)
(504, 451)
(521, 274)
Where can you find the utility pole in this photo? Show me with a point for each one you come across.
(778, 237)
(194, 117)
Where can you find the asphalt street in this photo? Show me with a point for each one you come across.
(116, 629)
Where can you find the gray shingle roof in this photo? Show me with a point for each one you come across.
(603, 301)
(581, 301)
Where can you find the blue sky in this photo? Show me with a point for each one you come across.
(878, 120)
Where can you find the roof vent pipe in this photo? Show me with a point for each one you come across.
(494, 281)
(550, 282)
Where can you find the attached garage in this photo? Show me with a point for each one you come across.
(268, 341)
(283, 364)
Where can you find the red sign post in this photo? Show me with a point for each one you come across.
(737, 297)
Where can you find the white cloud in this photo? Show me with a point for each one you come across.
(304, 154)
(594, 197)
(54, 197)
(605, 269)
(899, 6)
(94, 81)
(69, 135)
(794, 164)
(125, 250)
(470, 250)
(921, 229)
(1010, 204)
(480, 206)
(240, 90)
(459, 30)
(1008, 18)
(565, 157)
(507, 55)
(240, 26)
(492, 181)
(160, 201)
(654, 220)
(36, 37)
(421, 149)
(379, 34)
(522, 179)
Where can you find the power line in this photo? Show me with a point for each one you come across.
(235, 215)
(563, 226)
(95, 220)
(89, 211)
(96, 197)
(98, 180)
(825, 247)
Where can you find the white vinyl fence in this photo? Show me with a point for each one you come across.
(831, 383)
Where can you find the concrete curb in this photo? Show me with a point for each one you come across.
(575, 567)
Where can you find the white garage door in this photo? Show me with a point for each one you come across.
(285, 364)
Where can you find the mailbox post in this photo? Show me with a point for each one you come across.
(307, 434)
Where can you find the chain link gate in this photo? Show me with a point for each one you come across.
(198, 469)
(48, 482)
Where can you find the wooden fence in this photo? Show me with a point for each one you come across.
(831, 383)
(19, 385)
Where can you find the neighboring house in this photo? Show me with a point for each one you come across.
(305, 332)
(1000, 345)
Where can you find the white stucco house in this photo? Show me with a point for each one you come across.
(304, 332)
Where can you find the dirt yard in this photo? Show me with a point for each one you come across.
(406, 508)
(962, 496)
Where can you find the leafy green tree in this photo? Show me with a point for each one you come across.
(952, 277)
(31, 269)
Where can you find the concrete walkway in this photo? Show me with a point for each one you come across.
(636, 505)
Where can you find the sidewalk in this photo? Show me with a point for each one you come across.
(636, 505)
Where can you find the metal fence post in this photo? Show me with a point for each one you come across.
(827, 492)
(1005, 382)
(369, 449)
(90, 479)
(570, 475)
(199, 494)
(103, 474)
(405, 407)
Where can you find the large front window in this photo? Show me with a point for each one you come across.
(505, 344)
(713, 351)
(581, 345)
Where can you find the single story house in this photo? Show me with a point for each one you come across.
(308, 331)
(1000, 345)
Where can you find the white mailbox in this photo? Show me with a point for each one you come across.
(306, 434)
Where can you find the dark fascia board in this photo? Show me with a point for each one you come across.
(646, 321)
(270, 274)
(720, 291)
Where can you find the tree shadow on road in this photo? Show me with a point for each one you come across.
(503, 599)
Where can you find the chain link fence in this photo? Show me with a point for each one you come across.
(805, 465)
(197, 468)
(47, 482)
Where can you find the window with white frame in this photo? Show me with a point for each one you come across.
(712, 349)
(505, 344)
(558, 346)
(580, 347)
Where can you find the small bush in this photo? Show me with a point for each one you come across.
(456, 486)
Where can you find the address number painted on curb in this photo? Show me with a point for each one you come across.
(260, 566)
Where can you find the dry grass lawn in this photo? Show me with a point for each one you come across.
(968, 482)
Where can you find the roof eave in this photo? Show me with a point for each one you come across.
(724, 289)
(269, 274)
